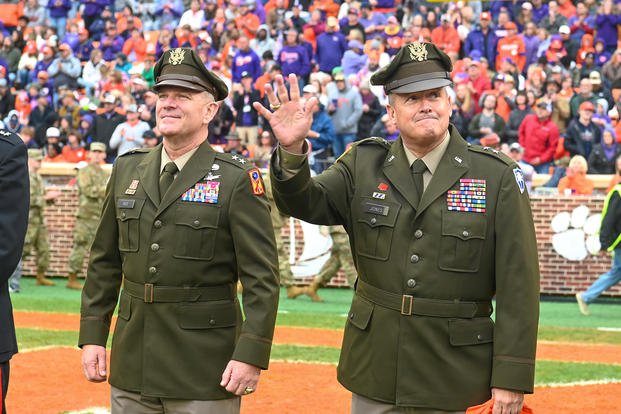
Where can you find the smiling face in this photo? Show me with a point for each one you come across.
(422, 117)
(183, 115)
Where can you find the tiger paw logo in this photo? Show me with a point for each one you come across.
(576, 233)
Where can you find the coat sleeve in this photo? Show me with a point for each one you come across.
(257, 264)
(517, 289)
(104, 275)
(14, 198)
(609, 230)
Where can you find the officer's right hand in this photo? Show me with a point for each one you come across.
(94, 363)
(290, 117)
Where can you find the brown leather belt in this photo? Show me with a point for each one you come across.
(410, 305)
(151, 293)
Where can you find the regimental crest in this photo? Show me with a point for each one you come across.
(176, 56)
(418, 51)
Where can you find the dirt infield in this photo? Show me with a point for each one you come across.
(50, 381)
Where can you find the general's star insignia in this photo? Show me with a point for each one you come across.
(5, 133)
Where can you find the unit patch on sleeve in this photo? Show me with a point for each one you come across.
(469, 197)
(257, 183)
(519, 179)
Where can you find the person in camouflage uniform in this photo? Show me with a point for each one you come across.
(91, 181)
(36, 235)
(278, 221)
(340, 258)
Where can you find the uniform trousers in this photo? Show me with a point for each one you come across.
(130, 402)
(363, 405)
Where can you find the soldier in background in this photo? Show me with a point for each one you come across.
(340, 258)
(36, 236)
(91, 181)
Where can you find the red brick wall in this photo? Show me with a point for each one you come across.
(558, 275)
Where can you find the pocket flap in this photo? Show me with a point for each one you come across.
(471, 331)
(376, 213)
(197, 215)
(128, 209)
(464, 225)
(125, 306)
(206, 315)
(360, 312)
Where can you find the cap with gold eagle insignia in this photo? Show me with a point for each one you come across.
(183, 68)
(418, 66)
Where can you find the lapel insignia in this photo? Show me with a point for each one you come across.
(215, 167)
(382, 187)
(471, 196)
(203, 192)
(392, 157)
(379, 196)
(519, 179)
(176, 56)
(255, 180)
(210, 177)
(459, 160)
(129, 191)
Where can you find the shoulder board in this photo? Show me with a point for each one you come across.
(136, 151)
(237, 160)
(491, 152)
(368, 141)
(9, 137)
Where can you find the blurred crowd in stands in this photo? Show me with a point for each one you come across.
(540, 80)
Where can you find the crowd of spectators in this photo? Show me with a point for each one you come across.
(545, 75)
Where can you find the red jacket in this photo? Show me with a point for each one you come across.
(539, 138)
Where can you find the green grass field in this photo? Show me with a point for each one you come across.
(560, 321)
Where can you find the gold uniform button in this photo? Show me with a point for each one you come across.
(153, 270)
(157, 224)
(155, 247)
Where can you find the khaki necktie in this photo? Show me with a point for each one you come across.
(418, 169)
(167, 177)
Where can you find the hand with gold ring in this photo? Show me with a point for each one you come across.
(291, 115)
(248, 390)
(240, 378)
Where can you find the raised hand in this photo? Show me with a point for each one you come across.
(290, 117)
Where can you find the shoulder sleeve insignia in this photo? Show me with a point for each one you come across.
(258, 188)
(519, 179)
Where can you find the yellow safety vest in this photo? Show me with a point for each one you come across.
(616, 188)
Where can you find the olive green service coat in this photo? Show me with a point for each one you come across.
(175, 337)
(419, 332)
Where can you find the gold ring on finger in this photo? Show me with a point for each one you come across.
(248, 390)
(275, 107)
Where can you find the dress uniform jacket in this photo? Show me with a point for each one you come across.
(14, 197)
(179, 320)
(419, 332)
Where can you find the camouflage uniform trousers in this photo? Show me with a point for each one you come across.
(83, 237)
(286, 275)
(37, 239)
(340, 258)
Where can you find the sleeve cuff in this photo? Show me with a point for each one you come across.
(93, 332)
(253, 350)
(513, 375)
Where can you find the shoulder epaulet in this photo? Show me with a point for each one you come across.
(491, 152)
(368, 141)
(237, 160)
(9, 137)
(136, 151)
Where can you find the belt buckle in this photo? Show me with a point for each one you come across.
(406, 304)
(148, 293)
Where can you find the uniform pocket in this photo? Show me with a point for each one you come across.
(360, 312)
(374, 228)
(196, 225)
(463, 236)
(204, 315)
(125, 306)
(475, 331)
(128, 219)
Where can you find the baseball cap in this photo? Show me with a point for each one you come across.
(64, 46)
(509, 79)
(564, 29)
(526, 5)
(98, 146)
(309, 89)
(109, 98)
(586, 106)
(445, 18)
(485, 16)
(510, 26)
(516, 147)
(393, 20)
(545, 104)
(339, 76)
(132, 108)
(595, 77)
(52, 132)
(35, 153)
(232, 136)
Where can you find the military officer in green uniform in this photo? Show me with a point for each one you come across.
(340, 258)
(36, 235)
(91, 181)
(180, 225)
(438, 228)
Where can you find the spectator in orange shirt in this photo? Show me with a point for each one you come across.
(53, 153)
(506, 97)
(135, 48)
(327, 7)
(74, 151)
(446, 37)
(248, 23)
(566, 8)
(575, 180)
(511, 46)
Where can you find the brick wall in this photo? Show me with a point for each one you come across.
(558, 275)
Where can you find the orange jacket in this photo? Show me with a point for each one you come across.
(578, 184)
(512, 47)
(139, 47)
(329, 7)
(446, 39)
(248, 24)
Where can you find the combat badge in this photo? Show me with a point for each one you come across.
(255, 180)
(203, 193)
(519, 179)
